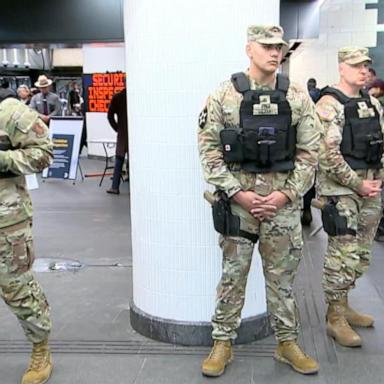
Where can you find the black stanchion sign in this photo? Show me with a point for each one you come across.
(66, 136)
(62, 153)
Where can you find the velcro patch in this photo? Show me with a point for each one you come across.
(265, 109)
(365, 113)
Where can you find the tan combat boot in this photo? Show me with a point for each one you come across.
(355, 318)
(221, 355)
(338, 326)
(290, 353)
(40, 366)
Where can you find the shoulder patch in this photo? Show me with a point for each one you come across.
(203, 117)
(39, 129)
(325, 112)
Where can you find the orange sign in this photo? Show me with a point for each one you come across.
(100, 89)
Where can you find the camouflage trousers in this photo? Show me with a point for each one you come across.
(280, 247)
(18, 287)
(348, 257)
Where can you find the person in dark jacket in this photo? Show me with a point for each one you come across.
(313, 91)
(118, 108)
(74, 100)
(6, 91)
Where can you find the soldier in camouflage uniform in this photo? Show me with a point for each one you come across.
(349, 182)
(24, 148)
(264, 179)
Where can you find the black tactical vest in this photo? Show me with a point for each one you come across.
(265, 141)
(362, 141)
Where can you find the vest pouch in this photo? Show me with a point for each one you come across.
(347, 144)
(375, 151)
(231, 144)
(251, 146)
(264, 152)
(291, 148)
(267, 138)
(257, 144)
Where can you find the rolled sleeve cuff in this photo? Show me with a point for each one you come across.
(381, 174)
(231, 191)
(292, 195)
(356, 181)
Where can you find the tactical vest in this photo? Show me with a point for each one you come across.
(362, 140)
(265, 141)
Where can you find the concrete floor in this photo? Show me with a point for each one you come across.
(92, 340)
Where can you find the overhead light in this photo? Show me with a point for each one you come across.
(27, 64)
(5, 61)
(15, 60)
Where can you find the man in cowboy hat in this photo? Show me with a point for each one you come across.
(46, 103)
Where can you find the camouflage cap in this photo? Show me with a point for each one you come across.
(353, 55)
(266, 34)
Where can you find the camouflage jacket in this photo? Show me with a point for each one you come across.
(335, 176)
(25, 148)
(222, 110)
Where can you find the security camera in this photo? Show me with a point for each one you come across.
(5, 63)
(27, 65)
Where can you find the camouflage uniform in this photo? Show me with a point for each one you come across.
(347, 257)
(281, 242)
(24, 148)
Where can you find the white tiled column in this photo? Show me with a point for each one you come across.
(177, 52)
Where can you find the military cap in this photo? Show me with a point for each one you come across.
(266, 34)
(353, 55)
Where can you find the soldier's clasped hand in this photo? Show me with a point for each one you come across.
(369, 188)
(258, 206)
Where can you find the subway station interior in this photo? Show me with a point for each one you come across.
(130, 274)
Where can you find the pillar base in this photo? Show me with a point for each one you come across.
(194, 333)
